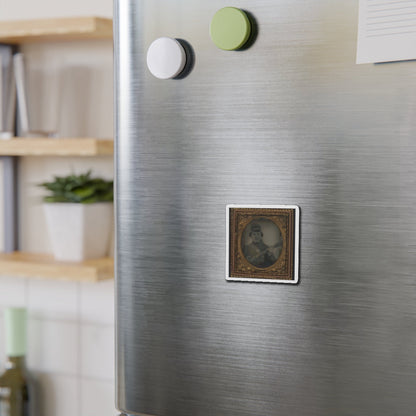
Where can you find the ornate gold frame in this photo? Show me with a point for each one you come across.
(239, 267)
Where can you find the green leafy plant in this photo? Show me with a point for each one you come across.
(82, 189)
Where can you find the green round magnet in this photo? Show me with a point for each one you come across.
(230, 28)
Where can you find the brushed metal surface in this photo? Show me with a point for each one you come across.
(292, 120)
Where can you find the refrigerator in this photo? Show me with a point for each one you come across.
(265, 213)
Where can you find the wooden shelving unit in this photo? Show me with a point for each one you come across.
(41, 30)
(40, 265)
(44, 266)
(56, 147)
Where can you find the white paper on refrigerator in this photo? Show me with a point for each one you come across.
(386, 31)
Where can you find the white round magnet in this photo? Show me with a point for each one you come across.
(166, 58)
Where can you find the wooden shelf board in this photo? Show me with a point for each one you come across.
(18, 146)
(39, 30)
(44, 266)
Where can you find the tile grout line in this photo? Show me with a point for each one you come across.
(74, 376)
(37, 317)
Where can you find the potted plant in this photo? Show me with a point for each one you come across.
(79, 216)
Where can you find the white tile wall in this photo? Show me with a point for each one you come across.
(97, 352)
(91, 390)
(49, 298)
(53, 346)
(70, 343)
(97, 303)
(12, 292)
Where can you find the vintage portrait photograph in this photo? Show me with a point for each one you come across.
(262, 243)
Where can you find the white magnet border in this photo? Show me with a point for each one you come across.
(296, 245)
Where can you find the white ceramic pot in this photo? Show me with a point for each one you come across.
(79, 231)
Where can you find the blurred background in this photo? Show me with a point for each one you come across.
(70, 325)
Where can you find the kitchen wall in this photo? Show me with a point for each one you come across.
(71, 336)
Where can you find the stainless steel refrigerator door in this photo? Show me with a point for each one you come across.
(292, 120)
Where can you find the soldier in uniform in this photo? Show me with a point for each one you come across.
(257, 252)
